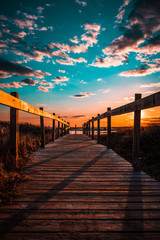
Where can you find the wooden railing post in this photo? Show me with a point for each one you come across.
(64, 129)
(58, 130)
(83, 129)
(68, 128)
(75, 129)
(89, 128)
(98, 129)
(108, 129)
(53, 129)
(92, 127)
(14, 131)
(136, 137)
(62, 132)
(42, 130)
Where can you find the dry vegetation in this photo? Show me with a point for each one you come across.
(10, 176)
(121, 142)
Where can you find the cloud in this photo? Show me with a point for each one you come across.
(140, 35)
(83, 3)
(33, 17)
(21, 34)
(104, 90)
(143, 71)
(122, 11)
(60, 79)
(29, 81)
(108, 62)
(29, 24)
(40, 9)
(79, 96)
(83, 95)
(62, 71)
(64, 62)
(45, 86)
(74, 40)
(43, 29)
(7, 67)
(71, 61)
(150, 85)
(128, 99)
(87, 93)
(90, 37)
(126, 43)
(79, 116)
(92, 27)
(83, 82)
(10, 85)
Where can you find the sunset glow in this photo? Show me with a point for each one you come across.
(76, 58)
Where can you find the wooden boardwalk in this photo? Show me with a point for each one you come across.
(78, 189)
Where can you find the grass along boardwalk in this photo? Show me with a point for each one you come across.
(78, 189)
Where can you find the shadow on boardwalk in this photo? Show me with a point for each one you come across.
(16, 219)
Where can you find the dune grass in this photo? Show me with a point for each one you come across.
(11, 176)
(121, 142)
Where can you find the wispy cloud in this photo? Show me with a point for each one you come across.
(83, 3)
(61, 71)
(143, 71)
(108, 62)
(60, 79)
(7, 68)
(45, 86)
(74, 40)
(79, 96)
(150, 85)
(79, 116)
(10, 85)
(29, 81)
(82, 95)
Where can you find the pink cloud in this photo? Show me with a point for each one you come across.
(83, 3)
(10, 85)
(24, 23)
(40, 9)
(107, 62)
(140, 72)
(92, 27)
(74, 40)
(150, 85)
(4, 75)
(60, 79)
(45, 86)
(43, 29)
(30, 16)
(90, 37)
(87, 93)
(64, 62)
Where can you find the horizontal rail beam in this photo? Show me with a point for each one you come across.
(10, 101)
(140, 104)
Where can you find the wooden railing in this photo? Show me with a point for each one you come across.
(12, 100)
(136, 107)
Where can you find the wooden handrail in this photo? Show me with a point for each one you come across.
(11, 101)
(136, 107)
(140, 104)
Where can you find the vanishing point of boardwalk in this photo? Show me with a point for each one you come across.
(78, 189)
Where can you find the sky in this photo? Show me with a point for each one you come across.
(77, 57)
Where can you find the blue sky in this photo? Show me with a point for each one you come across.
(76, 58)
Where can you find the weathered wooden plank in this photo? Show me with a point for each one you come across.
(10, 101)
(80, 190)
